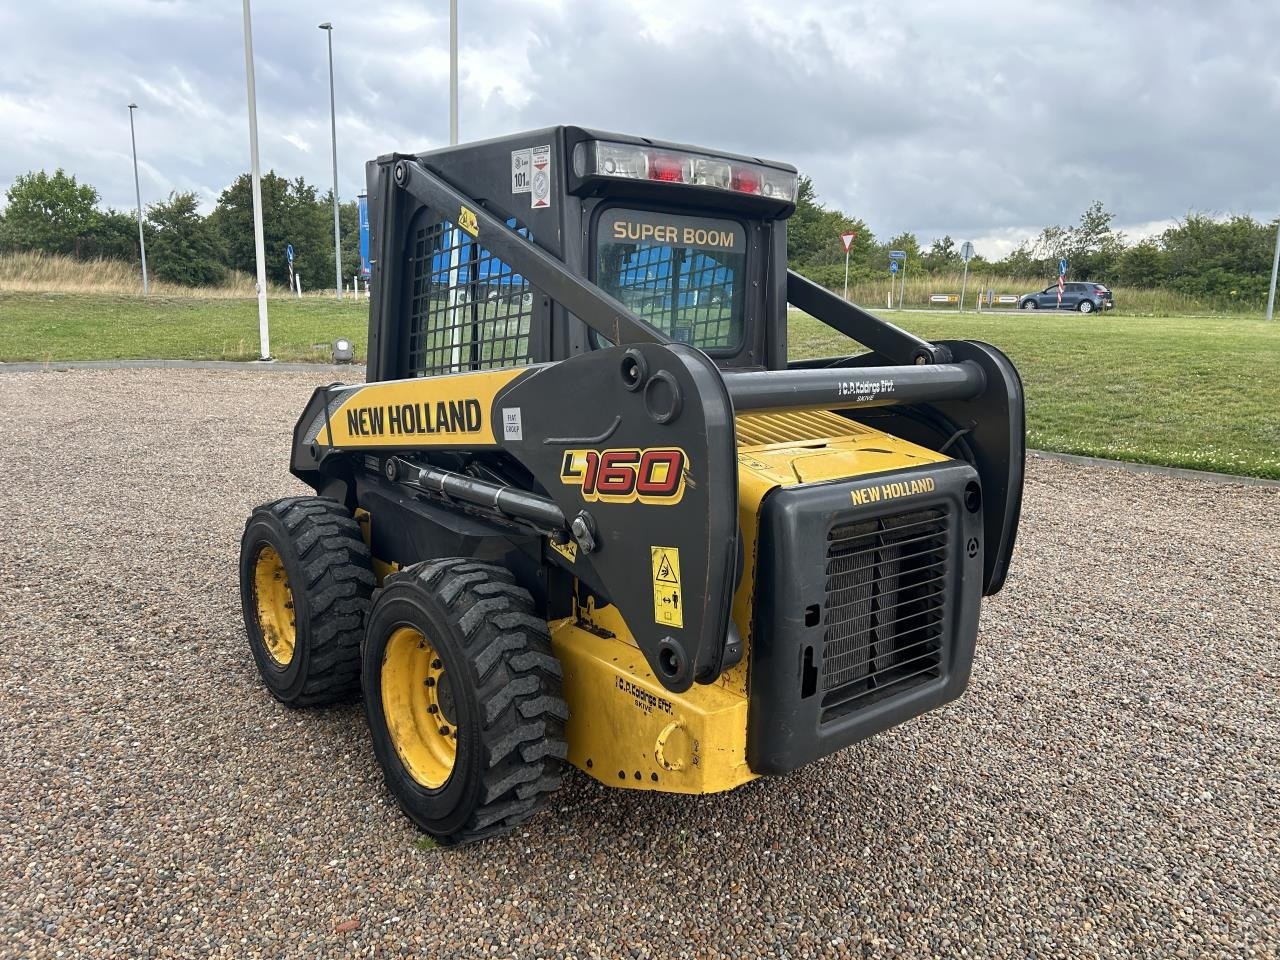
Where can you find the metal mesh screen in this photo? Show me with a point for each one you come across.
(468, 310)
(685, 292)
(886, 590)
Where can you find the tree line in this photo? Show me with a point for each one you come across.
(56, 214)
(1218, 258)
(1201, 255)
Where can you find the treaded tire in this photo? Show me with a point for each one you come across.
(327, 568)
(508, 713)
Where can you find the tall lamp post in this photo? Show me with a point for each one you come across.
(327, 27)
(1275, 268)
(453, 72)
(255, 179)
(137, 187)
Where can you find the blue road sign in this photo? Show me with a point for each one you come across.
(897, 254)
(893, 266)
(288, 252)
(364, 234)
(1062, 267)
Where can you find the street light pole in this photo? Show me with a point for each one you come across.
(453, 72)
(1275, 265)
(456, 238)
(255, 177)
(327, 27)
(142, 244)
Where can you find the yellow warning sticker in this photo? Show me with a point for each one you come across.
(668, 604)
(568, 549)
(467, 221)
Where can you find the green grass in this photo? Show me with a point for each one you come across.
(1179, 391)
(52, 326)
(1199, 392)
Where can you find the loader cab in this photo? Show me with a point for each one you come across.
(692, 241)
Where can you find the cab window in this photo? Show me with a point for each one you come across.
(682, 274)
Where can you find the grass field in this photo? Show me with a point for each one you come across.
(29, 272)
(1182, 391)
(51, 326)
(1132, 300)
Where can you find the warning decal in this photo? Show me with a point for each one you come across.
(540, 194)
(568, 549)
(668, 604)
(467, 221)
(520, 163)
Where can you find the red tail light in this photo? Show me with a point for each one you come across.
(663, 166)
(746, 180)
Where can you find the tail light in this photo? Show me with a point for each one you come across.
(664, 166)
(635, 162)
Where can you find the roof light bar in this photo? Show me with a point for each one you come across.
(635, 162)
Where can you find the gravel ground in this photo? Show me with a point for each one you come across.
(1110, 784)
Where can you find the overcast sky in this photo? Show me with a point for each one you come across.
(984, 120)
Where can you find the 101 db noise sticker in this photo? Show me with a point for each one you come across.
(521, 170)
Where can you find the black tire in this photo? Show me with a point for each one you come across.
(503, 694)
(316, 547)
(1030, 305)
(1086, 306)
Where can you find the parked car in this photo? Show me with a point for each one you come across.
(1085, 297)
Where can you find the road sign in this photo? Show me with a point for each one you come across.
(363, 209)
(897, 254)
(1062, 267)
(288, 252)
(966, 254)
(847, 239)
(893, 266)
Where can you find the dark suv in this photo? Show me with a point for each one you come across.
(1085, 297)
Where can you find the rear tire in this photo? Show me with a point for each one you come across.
(1029, 305)
(305, 581)
(463, 698)
(1086, 306)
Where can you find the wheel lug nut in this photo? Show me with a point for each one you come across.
(444, 731)
(429, 682)
(436, 664)
(432, 708)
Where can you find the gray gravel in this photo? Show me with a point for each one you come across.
(1110, 784)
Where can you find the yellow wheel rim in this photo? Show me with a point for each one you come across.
(275, 606)
(417, 702)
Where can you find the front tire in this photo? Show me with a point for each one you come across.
(305, 581)
(463, 698)
(1029, 305)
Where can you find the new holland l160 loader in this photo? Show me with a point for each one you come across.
(586, 510)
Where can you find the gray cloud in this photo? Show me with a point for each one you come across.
(984, 120)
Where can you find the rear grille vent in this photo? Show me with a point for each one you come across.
(884, 615)
(757, 429)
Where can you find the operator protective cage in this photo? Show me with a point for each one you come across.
(520, 275)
